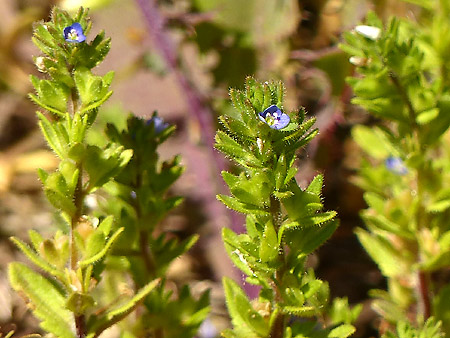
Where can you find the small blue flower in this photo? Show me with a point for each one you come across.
(74, 33)
(274, 118)
(158, 124)
(207, 329)
(396, 165)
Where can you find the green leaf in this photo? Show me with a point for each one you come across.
(237, 128)
(106, 225)
(280, 171)
(103, 164)
(315, 187)
(54, 138)
(36, 239)
(79, 303)
(309, 239)
(254, 189)
(59, 193)
(93, 90)
(238, 206)
(51, 95)
(232, 245)
(38, 260)
(299, 311)
(242, 313)
(296, 139)
(96, 256)
(342, 331)
(373, 142)
(387, 257)
(268, 248)
(47, 302)
(96, 325)
(427, 116)
(231, 148)
(382, 223)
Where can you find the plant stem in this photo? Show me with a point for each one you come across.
(278, 327)
(159, 333)
(277, 330)
(146, 254)
(407, 101)
(80, 325)
(422, 288)
(424, 294)
(78, 202)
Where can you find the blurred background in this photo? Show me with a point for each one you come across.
(180, 57)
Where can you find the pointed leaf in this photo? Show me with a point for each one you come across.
(47, 302)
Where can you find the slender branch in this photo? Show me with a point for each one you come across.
(199, 110)
(422, 289)
(78, 197)
(159, 333)
(80, 324)
(424, 294)
(277, 330)
(78, 201)
(411, 111)
(278, 327)
(146, 253)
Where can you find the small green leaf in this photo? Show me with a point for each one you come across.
(54, 138)
(309, 239)
(231, 148)
(373, 142)
(96, 325)
(300, 311)
(232, 245)
(48, 303)
(238, 206)
(388, 258)
(93, 257)
(316, 185)
(427, 116)
(342, 331)
(79, 303)
(36, 239)
(242, 313)
(268, 248)
(38, 260)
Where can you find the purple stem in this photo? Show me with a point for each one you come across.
(204, 116)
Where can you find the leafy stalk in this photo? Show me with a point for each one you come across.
(284, 222)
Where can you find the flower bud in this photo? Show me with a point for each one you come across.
(370, 32)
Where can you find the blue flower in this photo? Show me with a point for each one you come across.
(74, 33)
(158, 124)
(274, 118)
(396, 165)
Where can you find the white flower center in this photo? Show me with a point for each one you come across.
(73, 34)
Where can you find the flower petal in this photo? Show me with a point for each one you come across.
(272, 109)
(74, 33)
(282, 122)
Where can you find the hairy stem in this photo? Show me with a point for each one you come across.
(424, 294)
(80, 324)
(146, 254)
(78, 201)
(78, 197)
(406, 100)
(422, 288)
(277, 330)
